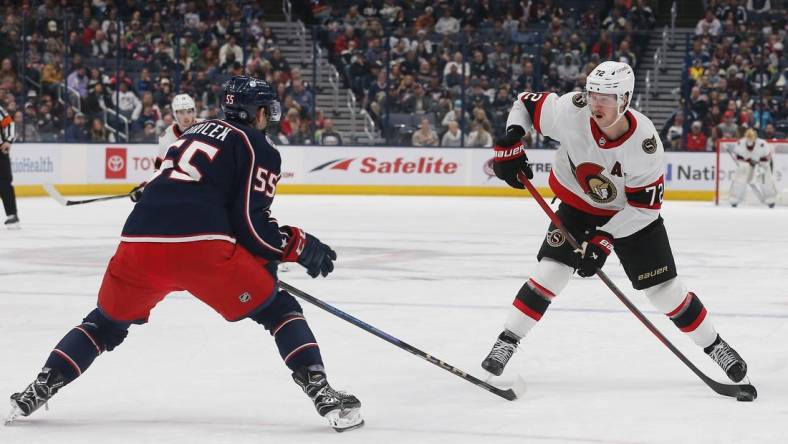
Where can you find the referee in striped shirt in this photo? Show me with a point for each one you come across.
(7, 136)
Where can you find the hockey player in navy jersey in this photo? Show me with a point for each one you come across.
(204, 225)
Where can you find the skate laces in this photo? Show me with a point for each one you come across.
(502, 351)
(724, 355)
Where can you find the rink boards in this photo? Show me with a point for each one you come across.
(115, 168)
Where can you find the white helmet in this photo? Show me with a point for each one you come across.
(613, 78)
(181, 102)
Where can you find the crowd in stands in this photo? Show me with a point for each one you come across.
(440, 73)
(63, 85)
(736, 70)
(445, 73)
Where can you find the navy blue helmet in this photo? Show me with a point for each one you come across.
(244, 95)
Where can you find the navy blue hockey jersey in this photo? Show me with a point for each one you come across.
(217, 181)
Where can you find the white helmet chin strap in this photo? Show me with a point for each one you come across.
(618, 117)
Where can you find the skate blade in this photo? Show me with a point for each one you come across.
(345, 420)
(516, 384)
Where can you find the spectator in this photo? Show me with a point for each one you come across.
(301, 135)
(447, 24)
(77, 131)
(328, 135)
(291, 122)
(343, 41)
(302, 97)
(78, 80)
(425, 135)
(26, 131)
(676, 131)
(728, 129)
(708, 25)
(149, 134)
(7, 72)
(97, 100)
(696, 140)
(615, 21)
(568, 70)
(99, 133)
(101, 47)
(454, 114)
(769, 132)
(603, 48)
(479, 136)
(452, 137)
(278, 62)
(129, 104)
(230, 47)
(642, 17)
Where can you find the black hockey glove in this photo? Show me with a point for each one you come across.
(317, 257)
(510, 158)
(136, 194)
(595, 252)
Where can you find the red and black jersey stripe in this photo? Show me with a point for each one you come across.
(533, 102)
(648, 196)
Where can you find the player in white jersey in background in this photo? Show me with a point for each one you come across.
(608, 174)
(184, 112)
(753, 157)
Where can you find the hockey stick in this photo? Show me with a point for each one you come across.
(508, 394)
(742, 392)
(55, 194)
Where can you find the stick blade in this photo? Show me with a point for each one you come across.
(55, 194)
(509, 388)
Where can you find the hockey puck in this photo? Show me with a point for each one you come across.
(745, 397)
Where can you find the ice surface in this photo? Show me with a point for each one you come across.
(439, 273)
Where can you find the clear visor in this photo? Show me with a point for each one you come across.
(599, 99)
(275, 111)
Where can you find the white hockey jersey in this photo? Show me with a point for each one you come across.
(622, 178)
(168, 137)
(760, 151)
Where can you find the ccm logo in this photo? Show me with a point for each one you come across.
(653, 273)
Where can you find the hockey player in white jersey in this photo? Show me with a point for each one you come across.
(753, 157)
(608, 174)
(184, 113)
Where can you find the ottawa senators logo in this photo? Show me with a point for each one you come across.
(555, 238)
(579, 100)
(596, 186)
(650, 145)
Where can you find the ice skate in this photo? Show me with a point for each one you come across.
(342, 410)
(501, 352)
(35, 395)
(12, 223)
(728, 359)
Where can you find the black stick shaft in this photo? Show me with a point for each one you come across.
(506, 394)
(97, 199)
